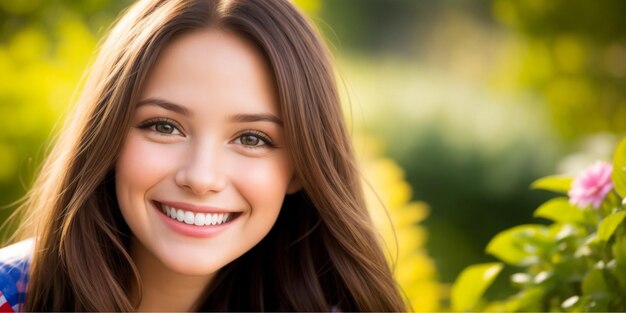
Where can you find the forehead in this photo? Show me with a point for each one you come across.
(212, 67)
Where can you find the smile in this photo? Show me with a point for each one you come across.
(195, 218)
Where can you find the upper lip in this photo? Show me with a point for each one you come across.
(194, 207)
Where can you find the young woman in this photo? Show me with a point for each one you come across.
(206, 167)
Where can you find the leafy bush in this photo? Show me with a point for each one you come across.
(577, 263)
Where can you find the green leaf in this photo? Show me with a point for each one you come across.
(596, 302)
(472, 283)
(594, 282)
(531, 299)
(520, 245)
(560, 210)
(560, 184)
(619, 169)
(609, 225)
(563, 231)
(619, 253)
(501, 306)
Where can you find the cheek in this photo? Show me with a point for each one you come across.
(263, 182)
(141, 165)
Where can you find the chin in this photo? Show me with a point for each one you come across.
(194, 269)
(195, 264)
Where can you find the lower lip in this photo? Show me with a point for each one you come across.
(193, 230)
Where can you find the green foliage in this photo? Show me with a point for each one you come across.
(518, 245)
(44, 48)
(571, 53)
(609, 225)
(619, 171)
(577, 263)
(560, 210)
(553, 183)
(471, 285)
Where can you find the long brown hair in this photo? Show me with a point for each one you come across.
(322, 251)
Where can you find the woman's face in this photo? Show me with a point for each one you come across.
(204, 169)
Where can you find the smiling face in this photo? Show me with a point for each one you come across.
(204, 169)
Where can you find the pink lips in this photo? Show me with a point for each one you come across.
(190, 230)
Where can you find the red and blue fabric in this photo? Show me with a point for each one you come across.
(13, 281)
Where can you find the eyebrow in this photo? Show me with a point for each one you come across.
(238, 118)
(248, 118)
(165, 104)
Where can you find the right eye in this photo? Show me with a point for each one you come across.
(161, 126)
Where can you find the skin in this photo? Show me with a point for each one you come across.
(206, 132)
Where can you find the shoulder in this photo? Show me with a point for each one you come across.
(14, 265)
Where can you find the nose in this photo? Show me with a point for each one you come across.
(200, 172)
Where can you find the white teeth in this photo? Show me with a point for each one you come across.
(191, 218)
(199, 220)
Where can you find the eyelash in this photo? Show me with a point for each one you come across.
(267, 142)
(152, 123)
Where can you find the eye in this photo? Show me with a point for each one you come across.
(161, 126)
(254, 139)
(165, 128)
(250, 140)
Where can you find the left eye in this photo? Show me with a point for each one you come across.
(250, 140)
(164, 128)
(253, 140)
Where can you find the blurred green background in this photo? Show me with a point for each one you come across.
(473, 99)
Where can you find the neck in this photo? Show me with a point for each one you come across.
(162, 288)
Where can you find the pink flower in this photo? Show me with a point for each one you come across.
(592, 185)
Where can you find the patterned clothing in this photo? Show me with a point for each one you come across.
(14, 265)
